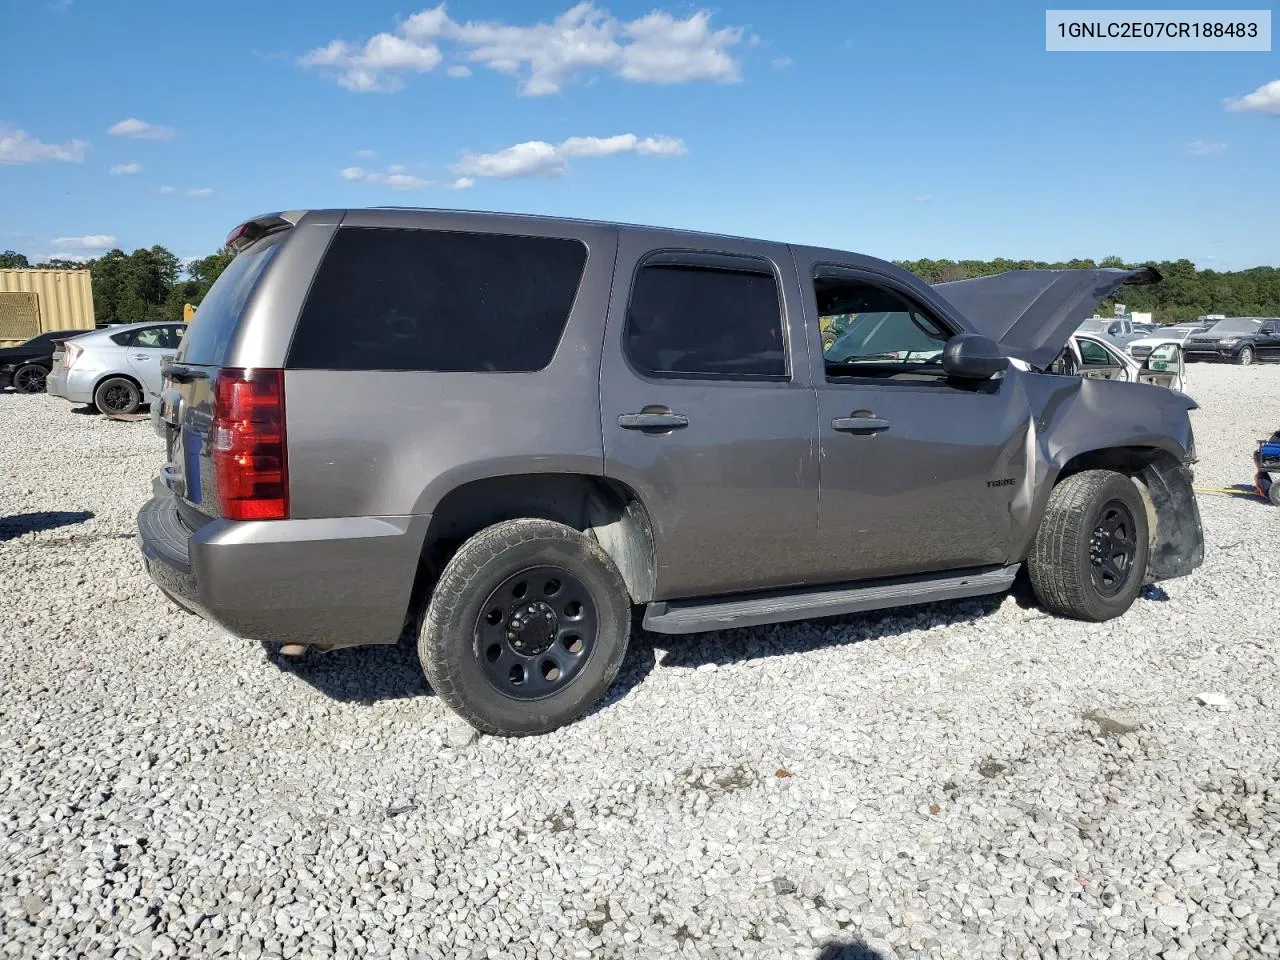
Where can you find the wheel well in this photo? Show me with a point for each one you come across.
(1177, 541)
(1131, 461)
(608, 510)
(119, 376)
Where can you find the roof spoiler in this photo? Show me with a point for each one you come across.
(254, 230)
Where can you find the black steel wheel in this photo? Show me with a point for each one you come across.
(116, 395)
(535, 632)
(1089, 557)
(1112, 547)
(526, 628)
(30, 378)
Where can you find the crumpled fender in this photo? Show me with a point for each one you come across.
(1141, 430)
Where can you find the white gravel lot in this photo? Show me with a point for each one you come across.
(971, 779)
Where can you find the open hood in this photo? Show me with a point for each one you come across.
(1032, 313)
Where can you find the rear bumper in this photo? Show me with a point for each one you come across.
(69, 386)
(333, 582)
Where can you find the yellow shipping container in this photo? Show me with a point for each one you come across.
(39, 301)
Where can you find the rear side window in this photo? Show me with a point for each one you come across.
(209, 335)
(392, 299)
(693, 321)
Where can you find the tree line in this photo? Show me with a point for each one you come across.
(152, 283)
(149, 284)
(1184, 293)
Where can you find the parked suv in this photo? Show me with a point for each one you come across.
(1240, 340)
(506, 432)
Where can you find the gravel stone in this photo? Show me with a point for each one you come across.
(965, 779)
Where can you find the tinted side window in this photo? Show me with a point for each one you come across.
(125, 337)
(391, 299)
(871, 331)
(1095, 355)
(154, 337)
(697, 321)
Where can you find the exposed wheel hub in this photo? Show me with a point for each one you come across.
(532, 629)
(1112, 547)
(536, 632)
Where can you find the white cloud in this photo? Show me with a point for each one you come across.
(667, 50)
(458, 70)
(537, 158)
(397, 178)
(18, 146)
(394, 177)
(1205, 148)
(655, 48)
(1266, 99)
(782, 63)
(200, 191)
(168, 189)
(126, 168)
(924, 198)
(140, 130)
(90, 241)
(375, 67)
(366, 153)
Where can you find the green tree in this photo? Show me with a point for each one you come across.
(12, 260)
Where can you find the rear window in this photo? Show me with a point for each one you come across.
(209, 336)
(392, 299)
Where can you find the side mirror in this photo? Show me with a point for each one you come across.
(971, 356)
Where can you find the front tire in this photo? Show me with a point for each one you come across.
(117, 396)
(526, 628)
(30, 378)
(1089, 558)
(1245, 357)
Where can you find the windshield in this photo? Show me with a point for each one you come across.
(209, 337)
(1235, 325)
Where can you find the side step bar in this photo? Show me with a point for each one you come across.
(749, 610)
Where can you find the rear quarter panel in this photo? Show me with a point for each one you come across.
(378, 443)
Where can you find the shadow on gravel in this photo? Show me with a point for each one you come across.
(85, 411)
(365, 675)
(849, 951)
(22, 523)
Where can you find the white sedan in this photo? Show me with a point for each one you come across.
(1141, 348)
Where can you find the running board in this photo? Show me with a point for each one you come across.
(749, 610)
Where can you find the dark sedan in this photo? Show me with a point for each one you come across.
(26, 366)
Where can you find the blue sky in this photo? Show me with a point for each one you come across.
(928, 129)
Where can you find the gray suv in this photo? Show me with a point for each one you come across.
(504, 433)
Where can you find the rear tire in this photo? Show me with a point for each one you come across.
(30, 378)
(526, 629)
(117, 396)
(1245, 357)
(1089, 558)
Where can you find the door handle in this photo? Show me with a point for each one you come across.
(859, 424)
(652, 421)
(142, 356)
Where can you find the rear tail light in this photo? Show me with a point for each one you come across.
(73, 353)
(250, 461)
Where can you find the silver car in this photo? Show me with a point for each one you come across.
(116, 369)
